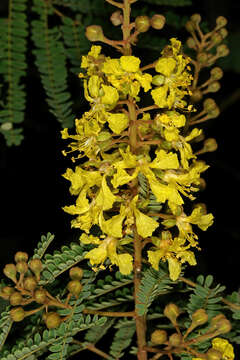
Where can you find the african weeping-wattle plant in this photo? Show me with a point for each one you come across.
(137, 173)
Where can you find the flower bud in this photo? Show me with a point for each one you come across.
(6, 291)
(213, 354)
(215, 320)
(52, 320)
(196, 96)
(202, 207)
(196, 18)
(202, 58)
(158, 80)
(116, 18)
(202, 184)
(223, 32)
(94, 33)
(216, 38)
(222, 50)
(189, 26)
(191, 43)
(30, 283)
(17, 314)
(21, 256)
(210, 145)
(22, 267)
(209, 105)
(221, 21)
(142, 23)
(10, 271)
(40, 296)
(199, 317)
(214, 113)
(15, 298)
(216, 73)
(157, 21)
(74, 287)
(172, 311)
(76, 273)
(36, 266)
(214, 87)
(159, 337)
(175, 340)
(224, 326)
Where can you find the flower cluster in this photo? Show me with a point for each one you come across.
(106, 184)
(221, 349)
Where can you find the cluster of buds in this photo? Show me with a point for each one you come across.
(179, 342)
(26, 276)
(141, 25)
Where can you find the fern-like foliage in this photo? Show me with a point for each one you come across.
(5, 327)
(205, 297)
(43, 245)
(94, 334)
(122, 338)
(51, 62)
(13, 44)
(152, 284)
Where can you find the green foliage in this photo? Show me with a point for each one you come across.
(122, 338)
(152, 285)
(5, 327)
(43, 245)
(94, 334)
(205, 297)
(13, 45)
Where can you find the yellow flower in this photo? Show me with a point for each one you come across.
(117, 122)
(224, 347)
(90, 61)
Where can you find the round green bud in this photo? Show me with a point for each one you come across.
(202, 58)
(213, 354)
(22, 267)
(10, 271)
(216, 38)
(142, 23)
(94, 33)
(222, 50)
(17, 314)
(6, 291)
(116, 18)
(196, 18)
(36, 266)
(175, 340)
(199, 317)
(40, 296)
(210, 145)
(224, 326)
(6, 126)
(196, 96)
(214, 87)
(157, 21)
(221, 21)
(172, 311)
(216, 73)
(209, 105)
(74, 287)
(191, 43)
(76, 273)
(30, 283)
(223, 32)
(159, 337)
(158, 80)
(52, 320)
(15, 298)
(189, 26)
(21, 256)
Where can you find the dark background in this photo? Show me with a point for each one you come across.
(33, 191)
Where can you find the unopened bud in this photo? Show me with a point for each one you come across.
(215, 320)
(158, 80)
(21, 256)
(224, 326)
(40, 296)
(210, 145)
(10, 271)
(216, 73)
(15, 298)
(172, 311)
(74, 287)
(209, 105)
(175, 340)
(213, 354)
(157, 21)
(159, 337)
(191, 43)
(199, 317)
(36, 266)
(223, 32)
(202, 58)
(202, 184)
(221, 21)
(214, 113)
(30, 283)
(216, 38)
(142, 23)
(52, 320)
(214, 87)
(22, 267)
(116, 18)
(189, 26)
(196, 96)
(94, 33)
(76, 273)
(222, 50)
(17, 314)
(196, 18)
(6, 291)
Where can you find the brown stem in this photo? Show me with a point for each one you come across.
(152, 107)
(126, 28)
(110, 313)
(115, 3)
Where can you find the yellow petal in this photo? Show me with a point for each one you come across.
(112, 66)
(174, 267)
(95, 51)
(225, 347)
(125, 263)
(145, 224)
(117, 122)
(145, 80)
(121, 177)
(154, 257)
(165, 160)
(105, 197)
(165, 66)
(94, 85)
(110, 96)
(113, 226)
(130, 63)
(97, 255)
(89, 239)
(159, 96)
